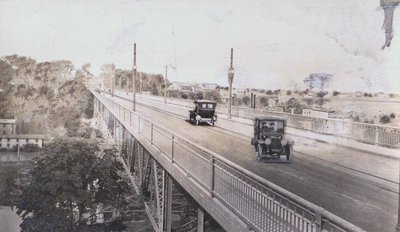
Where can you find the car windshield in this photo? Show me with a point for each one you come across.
(271, 126)
(206, 106)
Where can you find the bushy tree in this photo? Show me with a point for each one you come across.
(335, 93)
(68, 184)
(384, 119)
(264, 101)
(246, 100)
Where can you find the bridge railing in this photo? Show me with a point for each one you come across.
(263, 205)
(381, 135)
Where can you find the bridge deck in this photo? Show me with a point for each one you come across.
(347, 194)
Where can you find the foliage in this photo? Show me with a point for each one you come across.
(264, 101)
(246, 100)
(199, 95)
(212, 95)
(184, 95)
(294, 104)
(318, 80)
(30, 147)
(321, 94)
(384, 119)
(68, 184)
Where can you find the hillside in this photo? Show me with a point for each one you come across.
(46, 97)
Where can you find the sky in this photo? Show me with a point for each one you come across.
(277, 43)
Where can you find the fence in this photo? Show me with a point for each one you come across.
(258, 202)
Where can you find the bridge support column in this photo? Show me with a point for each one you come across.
(200, 220)
(168, 203)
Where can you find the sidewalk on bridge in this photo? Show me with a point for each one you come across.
(379, 150)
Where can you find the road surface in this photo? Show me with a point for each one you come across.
(357, 186)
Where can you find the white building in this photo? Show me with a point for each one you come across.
(317, 113)
(9, 141)
(7, 126)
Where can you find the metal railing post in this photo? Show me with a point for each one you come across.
(172, 148)
(212, 173)
(151, 133)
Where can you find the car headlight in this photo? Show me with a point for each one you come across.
(198, 117)
(284, 142)
(268, 141)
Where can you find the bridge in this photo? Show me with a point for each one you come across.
(161, 151)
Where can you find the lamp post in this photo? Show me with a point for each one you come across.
(165, 82)
(230, 80)
(134, 77)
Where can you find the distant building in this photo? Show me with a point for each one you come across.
(11, 140)
(209, 86)
(380, 95)
(7, 126)
(317, 113)
(358, 94)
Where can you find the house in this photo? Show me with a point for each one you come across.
(209, 86)
(7, 126)
(358, 94)
(317, 113)
(380, 95)
(9, 141)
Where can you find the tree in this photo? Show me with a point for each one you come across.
(70, 178)
(318, 80)
(335, 93)
(392, 115)
(269, 92)
(246, 100)
(264, 101)
(322, 94)
(294, 104)
(288, 92)
(199, 95)
(384, 119)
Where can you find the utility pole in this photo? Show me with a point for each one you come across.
(112, 83)
(140, 84)
(230, 80)
(165, 82)
(134, 77)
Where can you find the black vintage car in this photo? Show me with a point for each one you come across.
(270, 141)
(204, 111)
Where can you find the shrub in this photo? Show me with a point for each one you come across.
(30, 147)
(384, 119)
(392, 115)
(288, 92)
(335, 93)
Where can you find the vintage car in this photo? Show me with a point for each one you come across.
(204, 111)
(270, 141)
